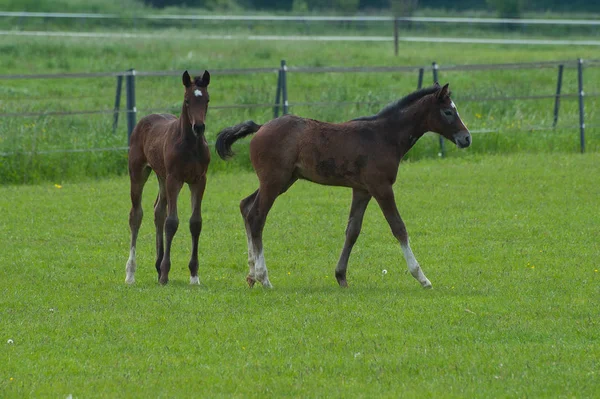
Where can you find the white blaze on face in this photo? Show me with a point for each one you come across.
(454, 107)
(197, 93)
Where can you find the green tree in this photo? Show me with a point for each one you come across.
(507, 8)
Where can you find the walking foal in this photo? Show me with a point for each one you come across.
(363, 154)
(177, 151)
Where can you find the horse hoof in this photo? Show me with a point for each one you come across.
(426, 284)
(250, 281)
(194, 280)
(343, 283)
(267, 284)
(163, 281)
(129, 280)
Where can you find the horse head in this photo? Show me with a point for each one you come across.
(445, 120)
(196, 100)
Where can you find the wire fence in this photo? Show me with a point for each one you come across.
(514, 31)
(282, 102)
(302, 18)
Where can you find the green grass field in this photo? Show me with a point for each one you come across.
(509, 243)
(28, 139)
(506, 231)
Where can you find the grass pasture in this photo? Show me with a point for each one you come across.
(509, 243)
(31, 147)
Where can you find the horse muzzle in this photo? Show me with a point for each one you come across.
(199, 128)
(462, 139)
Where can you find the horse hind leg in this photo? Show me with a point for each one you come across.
(245, 206)
(255, 219)
(360, 200)
(138, 178)
(160, 214)
(254, 210)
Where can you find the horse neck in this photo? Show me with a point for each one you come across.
(405, 127)
(185, 125)
(186, 133)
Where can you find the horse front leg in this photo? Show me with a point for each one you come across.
(360, 200)
(197, 192)
(171, 225)
(387, 203)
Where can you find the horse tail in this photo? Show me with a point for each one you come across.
(230, 135)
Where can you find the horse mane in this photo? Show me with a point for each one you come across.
(402, 103)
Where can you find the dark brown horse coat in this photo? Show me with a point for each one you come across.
(177, 151)
(363, 154)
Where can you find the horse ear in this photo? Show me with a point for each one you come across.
(205, 78)
(443, 93)
(437, 85)
(187, 81)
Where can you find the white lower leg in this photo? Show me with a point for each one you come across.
(251, 272)
(194, 280)
(130, 268)
(260, 269)
(413, 266)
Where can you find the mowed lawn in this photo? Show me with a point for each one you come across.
(510, 244)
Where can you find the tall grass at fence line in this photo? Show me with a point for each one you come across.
(31, 142)
(29, 55)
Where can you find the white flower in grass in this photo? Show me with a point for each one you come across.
(384, 272)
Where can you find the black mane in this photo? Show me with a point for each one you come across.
(402, 103)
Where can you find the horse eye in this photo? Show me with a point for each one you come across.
(447, 112)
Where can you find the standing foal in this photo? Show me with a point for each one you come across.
(363, 154)
(177, 151)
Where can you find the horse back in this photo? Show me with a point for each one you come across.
(343, 154)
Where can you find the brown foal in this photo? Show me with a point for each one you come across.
(363, 154)
(177, 151)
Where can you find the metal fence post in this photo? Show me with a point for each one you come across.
(434, 67)
(557, 98)
(435, 80)
(420, 80)
(117, 102)
(396, 35)
(277, 96)
(581, 113)
(131, 109)
(284, 87)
